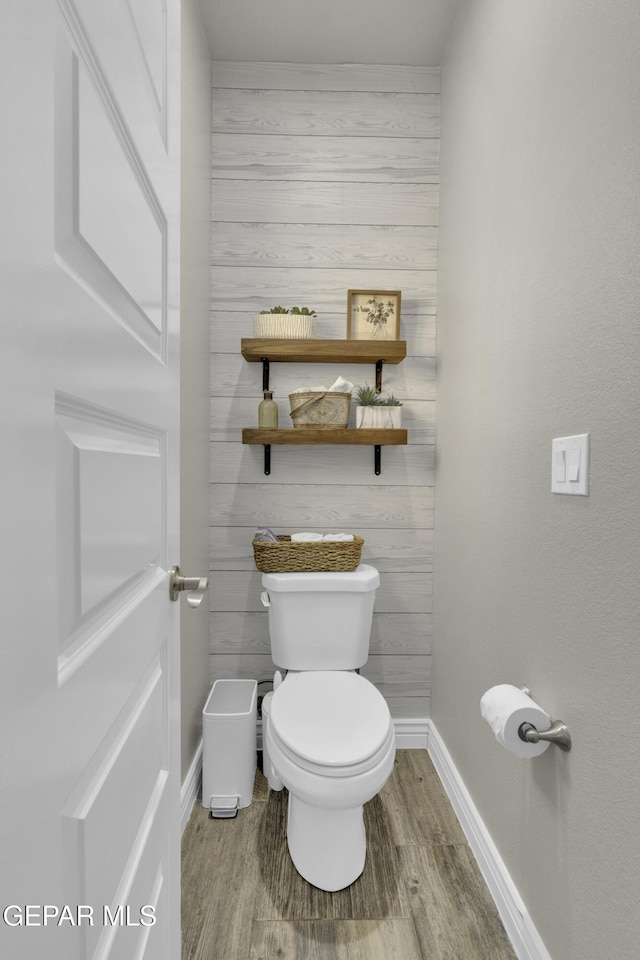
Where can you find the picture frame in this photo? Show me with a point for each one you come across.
(373, 314)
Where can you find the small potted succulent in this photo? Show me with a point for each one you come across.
(288, 323)
(376, 412)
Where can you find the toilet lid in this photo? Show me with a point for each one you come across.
(330, 718)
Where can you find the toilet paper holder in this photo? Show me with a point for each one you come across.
(557, 733)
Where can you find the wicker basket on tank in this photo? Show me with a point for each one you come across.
(319, 555)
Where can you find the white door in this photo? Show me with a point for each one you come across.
(89, 174)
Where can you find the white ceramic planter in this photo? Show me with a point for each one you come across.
(286, 326)
(379, 418)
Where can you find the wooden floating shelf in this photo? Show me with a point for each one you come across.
(266, 349)
(323, 351)
(311, 437)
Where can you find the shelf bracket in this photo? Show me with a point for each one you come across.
(379, 365)
(265, 373)
(377, 459)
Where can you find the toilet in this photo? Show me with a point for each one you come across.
(328, 736)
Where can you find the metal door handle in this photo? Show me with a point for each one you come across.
(194, 587)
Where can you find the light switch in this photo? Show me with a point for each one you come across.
(573, 464)
(559, 466)
(570, 464)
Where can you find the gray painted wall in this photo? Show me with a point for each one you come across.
(194, 474)
(324, 179)
(538, 337)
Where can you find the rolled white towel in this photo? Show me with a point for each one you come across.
(305, 537)
(338, 537)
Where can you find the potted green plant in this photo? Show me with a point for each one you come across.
(288, 323)
(377, 412)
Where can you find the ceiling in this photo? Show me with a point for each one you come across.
(411, 32)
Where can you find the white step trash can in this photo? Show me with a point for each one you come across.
(229, 723)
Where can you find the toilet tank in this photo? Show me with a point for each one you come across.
(320, 621)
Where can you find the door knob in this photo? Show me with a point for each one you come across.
(194, 587)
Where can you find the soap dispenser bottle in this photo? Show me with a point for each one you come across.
(268, 411)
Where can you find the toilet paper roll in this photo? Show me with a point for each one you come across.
(506, 708)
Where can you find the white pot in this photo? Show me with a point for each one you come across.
(379, 418)
(285, 326)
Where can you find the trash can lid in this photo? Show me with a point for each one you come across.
(231, 698)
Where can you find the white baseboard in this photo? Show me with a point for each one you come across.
(190, 788)
(518, 924)
(412, 733)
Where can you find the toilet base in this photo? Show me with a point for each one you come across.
(328, 847)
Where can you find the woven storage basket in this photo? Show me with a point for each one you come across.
(288, 557)
(323, 411)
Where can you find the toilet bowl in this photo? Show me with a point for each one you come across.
(330, 740)
(328, 734)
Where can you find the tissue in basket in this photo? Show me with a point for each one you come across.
(288, 557)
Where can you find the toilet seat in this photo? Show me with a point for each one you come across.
(331, 723)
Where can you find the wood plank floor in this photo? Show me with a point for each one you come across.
(420, 897)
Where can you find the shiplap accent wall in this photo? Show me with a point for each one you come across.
(325, 178)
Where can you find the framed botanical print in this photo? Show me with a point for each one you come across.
(373, 315)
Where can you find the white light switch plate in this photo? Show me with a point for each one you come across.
(570, 464)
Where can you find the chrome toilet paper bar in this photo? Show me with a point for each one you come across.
(558, 733)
